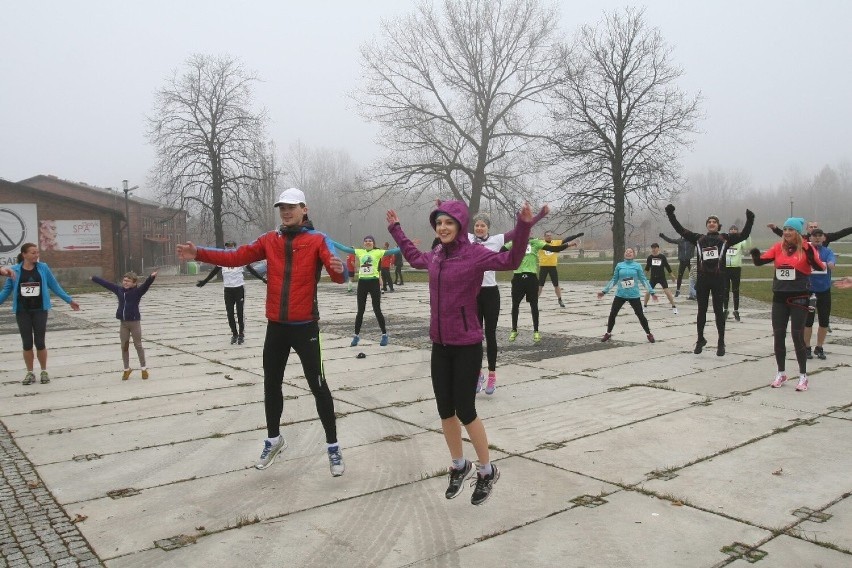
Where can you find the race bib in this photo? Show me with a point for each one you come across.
(732, 252)
(656, 262)
(31, 289)
(710, 253)
(818, 272)
(627, 283)
(366, 269)
(529, 249)
(548, 253)
(785, 273)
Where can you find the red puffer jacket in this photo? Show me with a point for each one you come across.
(294, 259)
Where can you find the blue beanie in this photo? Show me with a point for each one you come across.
(796, 223)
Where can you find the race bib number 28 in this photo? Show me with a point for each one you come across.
(785, 273)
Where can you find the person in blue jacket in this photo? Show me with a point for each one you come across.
(627, 276)
(821, 288)
(129, 296)
(29, 283)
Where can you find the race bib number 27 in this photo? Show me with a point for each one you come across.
(30, 289)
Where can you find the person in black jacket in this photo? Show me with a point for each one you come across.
(811, 226)
(129, 296)
(711, 249)
(397, 273)
(656, 266)
(685, 252)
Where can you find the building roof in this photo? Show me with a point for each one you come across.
(50, 195)
(117, 193)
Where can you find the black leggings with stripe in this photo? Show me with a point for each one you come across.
(304, 339)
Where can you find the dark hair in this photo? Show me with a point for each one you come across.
(817, 232)
(655, 245)
(24, 248)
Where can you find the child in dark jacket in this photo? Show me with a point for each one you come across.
(129, 295)
(456, 267)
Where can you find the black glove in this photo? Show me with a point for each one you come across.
(200, 283)
(661, 235)
(670, 209)
(265, 281)
(809, 252)
(749, 214)
(580, 234)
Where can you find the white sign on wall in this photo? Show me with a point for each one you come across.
(68, 235)
(18, 225)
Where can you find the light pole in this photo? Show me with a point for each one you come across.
(791, 206)
(350, 233)
(128, 266)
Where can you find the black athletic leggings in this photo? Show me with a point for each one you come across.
(235, 297)
(792, 308)
(684, 266)
(706, 284)
(369, 286)
(635, 303)
(823, 308)
(524, 285)
(305, 340)
(455, 371)
(733, 274)
(33, 327)
(488, 302)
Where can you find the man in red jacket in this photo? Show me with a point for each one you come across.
(295, 254)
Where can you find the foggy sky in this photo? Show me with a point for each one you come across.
(78, 78)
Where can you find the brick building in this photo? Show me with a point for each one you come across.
(155, 230)
(81, 229)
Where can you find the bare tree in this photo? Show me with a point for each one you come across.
(620, 121)
(454, 93)
(262, 192)
(206, 135)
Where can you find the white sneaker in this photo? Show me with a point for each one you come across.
(803, 383)
(270, 450)
(674, 310)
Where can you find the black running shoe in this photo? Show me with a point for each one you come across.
(736, 315)
(720, 349)
(808, 353)
(699, 345)
(233, 339)
(483, 485)
(241, 339)
(818, 351)
(457, 478)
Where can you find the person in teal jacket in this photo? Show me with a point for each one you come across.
(368, 258)
(29, 283)
(627, 276)
(733, 271)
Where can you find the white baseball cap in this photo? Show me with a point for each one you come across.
(290, 196)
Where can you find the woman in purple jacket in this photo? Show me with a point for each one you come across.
(455, 268)
(129, 295)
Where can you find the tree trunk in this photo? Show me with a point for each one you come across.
(618, 212)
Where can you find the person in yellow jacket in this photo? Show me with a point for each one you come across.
(548, 262)
(733, 271)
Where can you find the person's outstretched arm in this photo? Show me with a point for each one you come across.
(510, 234)
(147, 284)
(837, 235)
(408, 249)
(743, 235)
(342, 247)
(567, 243)
(210, 276)
(255, 273)
(760, 259)
(668, 240)
(115, 289)
(685, 233)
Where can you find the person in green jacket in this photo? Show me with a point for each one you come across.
(733, 271)
(368, 259)
(525, 281)
(627, 275)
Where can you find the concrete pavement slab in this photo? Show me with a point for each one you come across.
(787, 552)
(831, 526)
(762, 483)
